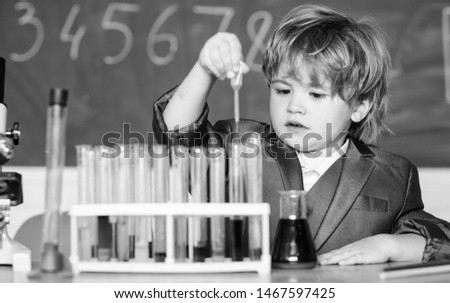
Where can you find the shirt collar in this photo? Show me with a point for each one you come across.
(321, 161)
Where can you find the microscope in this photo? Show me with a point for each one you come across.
(11, 252)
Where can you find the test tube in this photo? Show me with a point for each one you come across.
(252, 157)
(161, 185)
(142, 195)
(179, 194)
(235, 232)
(93, 221)
(133, 154)
(198, 173)
(151, 198)
(217, 195)
(236, 187)
(55, 152)
(123, 244)
(114, 162)
(84, 231)
(103, 169)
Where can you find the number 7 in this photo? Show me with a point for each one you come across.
(226, 11)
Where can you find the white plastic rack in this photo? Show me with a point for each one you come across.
(170, 211)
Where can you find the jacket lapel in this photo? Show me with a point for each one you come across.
(287, 160)
(319, 197)
(280, 160)
(355, 172)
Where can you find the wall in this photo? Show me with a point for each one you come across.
(117, 57)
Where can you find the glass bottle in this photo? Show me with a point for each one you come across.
(293, 244)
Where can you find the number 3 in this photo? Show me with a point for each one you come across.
(29, 18)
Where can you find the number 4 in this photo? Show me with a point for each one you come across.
(75, 39)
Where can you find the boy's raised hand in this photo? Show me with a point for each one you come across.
(221, 56)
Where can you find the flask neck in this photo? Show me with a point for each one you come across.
(293, 204)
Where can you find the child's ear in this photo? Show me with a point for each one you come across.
(360, 111)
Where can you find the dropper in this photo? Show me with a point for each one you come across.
(236, 84)
(236, 193)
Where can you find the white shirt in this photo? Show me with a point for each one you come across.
(315, 165)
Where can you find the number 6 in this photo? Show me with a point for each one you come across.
(154, 38)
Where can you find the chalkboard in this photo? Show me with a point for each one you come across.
(116, 58)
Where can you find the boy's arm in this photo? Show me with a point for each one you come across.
(190, 135)
(416, 236)
(220, 58)
(414, 220)
(188, 101)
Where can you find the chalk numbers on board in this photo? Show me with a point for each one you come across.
(109, 24)
(28, 18)
(73, 32)
(74, 39)
(257, 36)
(154, 37)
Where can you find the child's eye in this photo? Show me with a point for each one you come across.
(317, 95)
(282, 91)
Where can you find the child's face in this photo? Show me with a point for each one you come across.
(300, 111)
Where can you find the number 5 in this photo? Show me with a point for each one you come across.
(108, 24)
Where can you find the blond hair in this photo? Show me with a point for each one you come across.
(351, 54)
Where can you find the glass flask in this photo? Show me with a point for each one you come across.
(293, 244)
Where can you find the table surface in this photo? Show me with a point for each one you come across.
(320, 274)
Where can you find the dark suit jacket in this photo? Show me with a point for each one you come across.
(366, 192)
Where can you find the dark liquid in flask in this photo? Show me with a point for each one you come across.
(293, 245)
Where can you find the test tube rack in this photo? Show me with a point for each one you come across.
(170, 211)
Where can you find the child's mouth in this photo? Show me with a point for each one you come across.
(294, 125)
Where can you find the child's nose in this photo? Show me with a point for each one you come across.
(296, 105)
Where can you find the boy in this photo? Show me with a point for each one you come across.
(328, 79)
